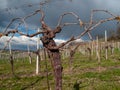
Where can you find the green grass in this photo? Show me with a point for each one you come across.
(85, 74)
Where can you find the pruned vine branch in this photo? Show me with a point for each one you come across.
(71, 13)
(95, 11)
(93, 24)
(21, 33)
(87, 29)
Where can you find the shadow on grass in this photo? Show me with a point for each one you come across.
(77, 85)
(31, 84)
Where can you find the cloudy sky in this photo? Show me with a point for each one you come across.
(18, 8)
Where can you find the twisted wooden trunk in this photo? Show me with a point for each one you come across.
(56, 63)
(55, 58)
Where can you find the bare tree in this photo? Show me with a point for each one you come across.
(49, 33)
(50, 45)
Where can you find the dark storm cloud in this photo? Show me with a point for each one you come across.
(53, 10)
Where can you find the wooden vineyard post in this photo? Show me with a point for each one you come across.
(89, 50)
(113, 47)
(92, 47)
(118, 45)
(38, 56)
(97, 53)
(106, 46)
(41, 54)
(100, 48)
(29, 54)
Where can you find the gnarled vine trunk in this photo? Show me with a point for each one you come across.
(56, 63)
(53, 51)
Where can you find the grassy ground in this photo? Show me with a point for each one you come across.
(86, 74)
